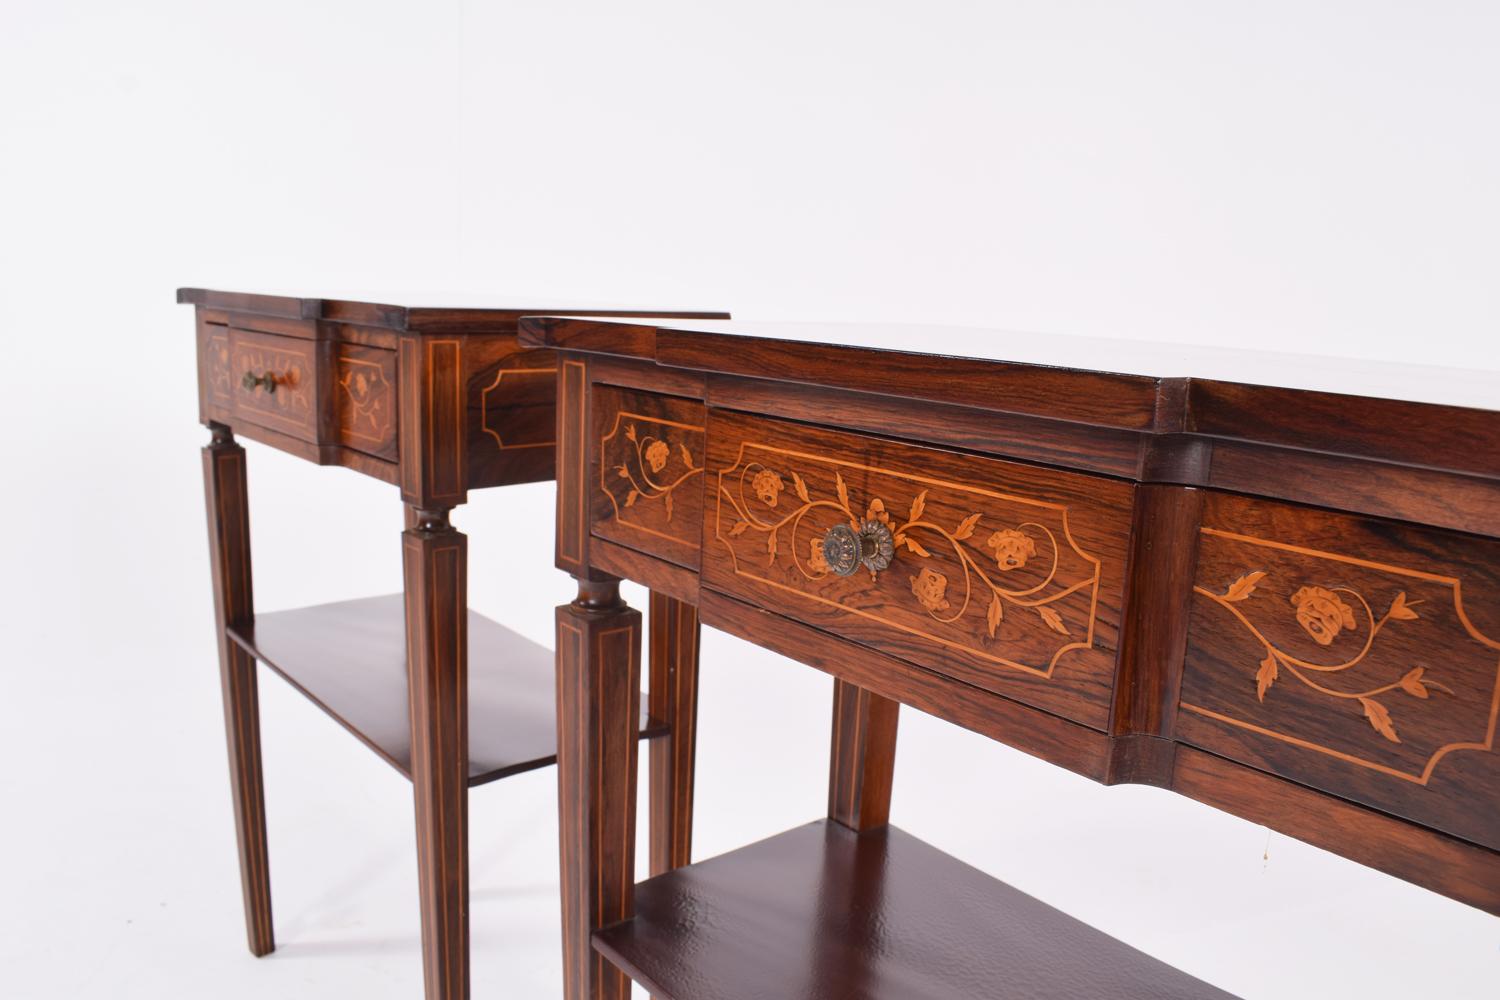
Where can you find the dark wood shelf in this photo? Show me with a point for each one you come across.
(349, 659)
(823, 912)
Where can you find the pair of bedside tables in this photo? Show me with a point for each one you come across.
(1279, 600)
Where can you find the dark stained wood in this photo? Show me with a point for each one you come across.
(658, 574)
(647, 481)
(598, 689)
(425, 314)
(1067, 744)
(435, 563)
(673, 700)
(229, 556)
(824, 912)
(1163, 539)
(1020, 569)
(573, 449)
(1441, 499)
(1452, 438)
(862, 757)
(1357, 656)
(434, 429)
(349, 658)
(1104, 400)
(1050, 442)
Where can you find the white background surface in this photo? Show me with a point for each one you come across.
(1303, 177)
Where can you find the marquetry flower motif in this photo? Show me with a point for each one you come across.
(768, 486)
(884, 536)
(816, 561)
(1322, 613)
(1012, 548)
(657, 455)
(931, 589)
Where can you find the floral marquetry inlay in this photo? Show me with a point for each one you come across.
(651, 471)
(1323, 613)
(368, 400)
(1373, 663)
(976, 569)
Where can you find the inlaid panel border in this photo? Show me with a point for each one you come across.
(666, 491)
(1455, 583)
(484, 403)
(1092, 582)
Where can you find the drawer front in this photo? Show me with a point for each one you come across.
(1353, 655)
(295, 406)
(649, 453)
(1003, 575)
(365, 399)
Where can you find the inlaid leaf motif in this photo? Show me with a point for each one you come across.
(623, 472)
(1412, 683)
(996, 613)
(687, 456)
(916, 547)
(801, 488)
(1380, 719)
(1054, 621)
(667, 503)
(1265, 676)
(740, 527)
(918, 506)
(1244, 586)
(966, 527)
(771, 548)
(630, 497)
(838, 483)
(1400, 609)
(630, 432)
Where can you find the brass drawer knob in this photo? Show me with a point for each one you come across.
(846, 550)
(251, 380)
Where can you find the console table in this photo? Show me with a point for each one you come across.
(435, 398)
(1279, 600)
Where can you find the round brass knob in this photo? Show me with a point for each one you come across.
(846, 550)
(251, 380)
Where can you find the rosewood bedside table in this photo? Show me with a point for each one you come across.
(1279, 601)
(435, 399)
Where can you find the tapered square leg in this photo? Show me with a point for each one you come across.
(229, 555)
(863, 757)
(673, 699)
(598, 729)
(436, 573)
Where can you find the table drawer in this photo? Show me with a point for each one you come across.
(365, 399)
(649, 479)
(1356, 656)
(289, 392)
(321, 393)
(1004, 575)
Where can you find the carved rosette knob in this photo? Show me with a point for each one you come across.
(846, 550)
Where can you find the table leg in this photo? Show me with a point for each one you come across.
(863, 757)
(598, 730)
(229, 554)
(436, 575)
(673, 636)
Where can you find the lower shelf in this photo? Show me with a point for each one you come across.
(349, 658)
(823, 912)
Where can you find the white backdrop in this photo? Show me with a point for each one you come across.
(1308, 177)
